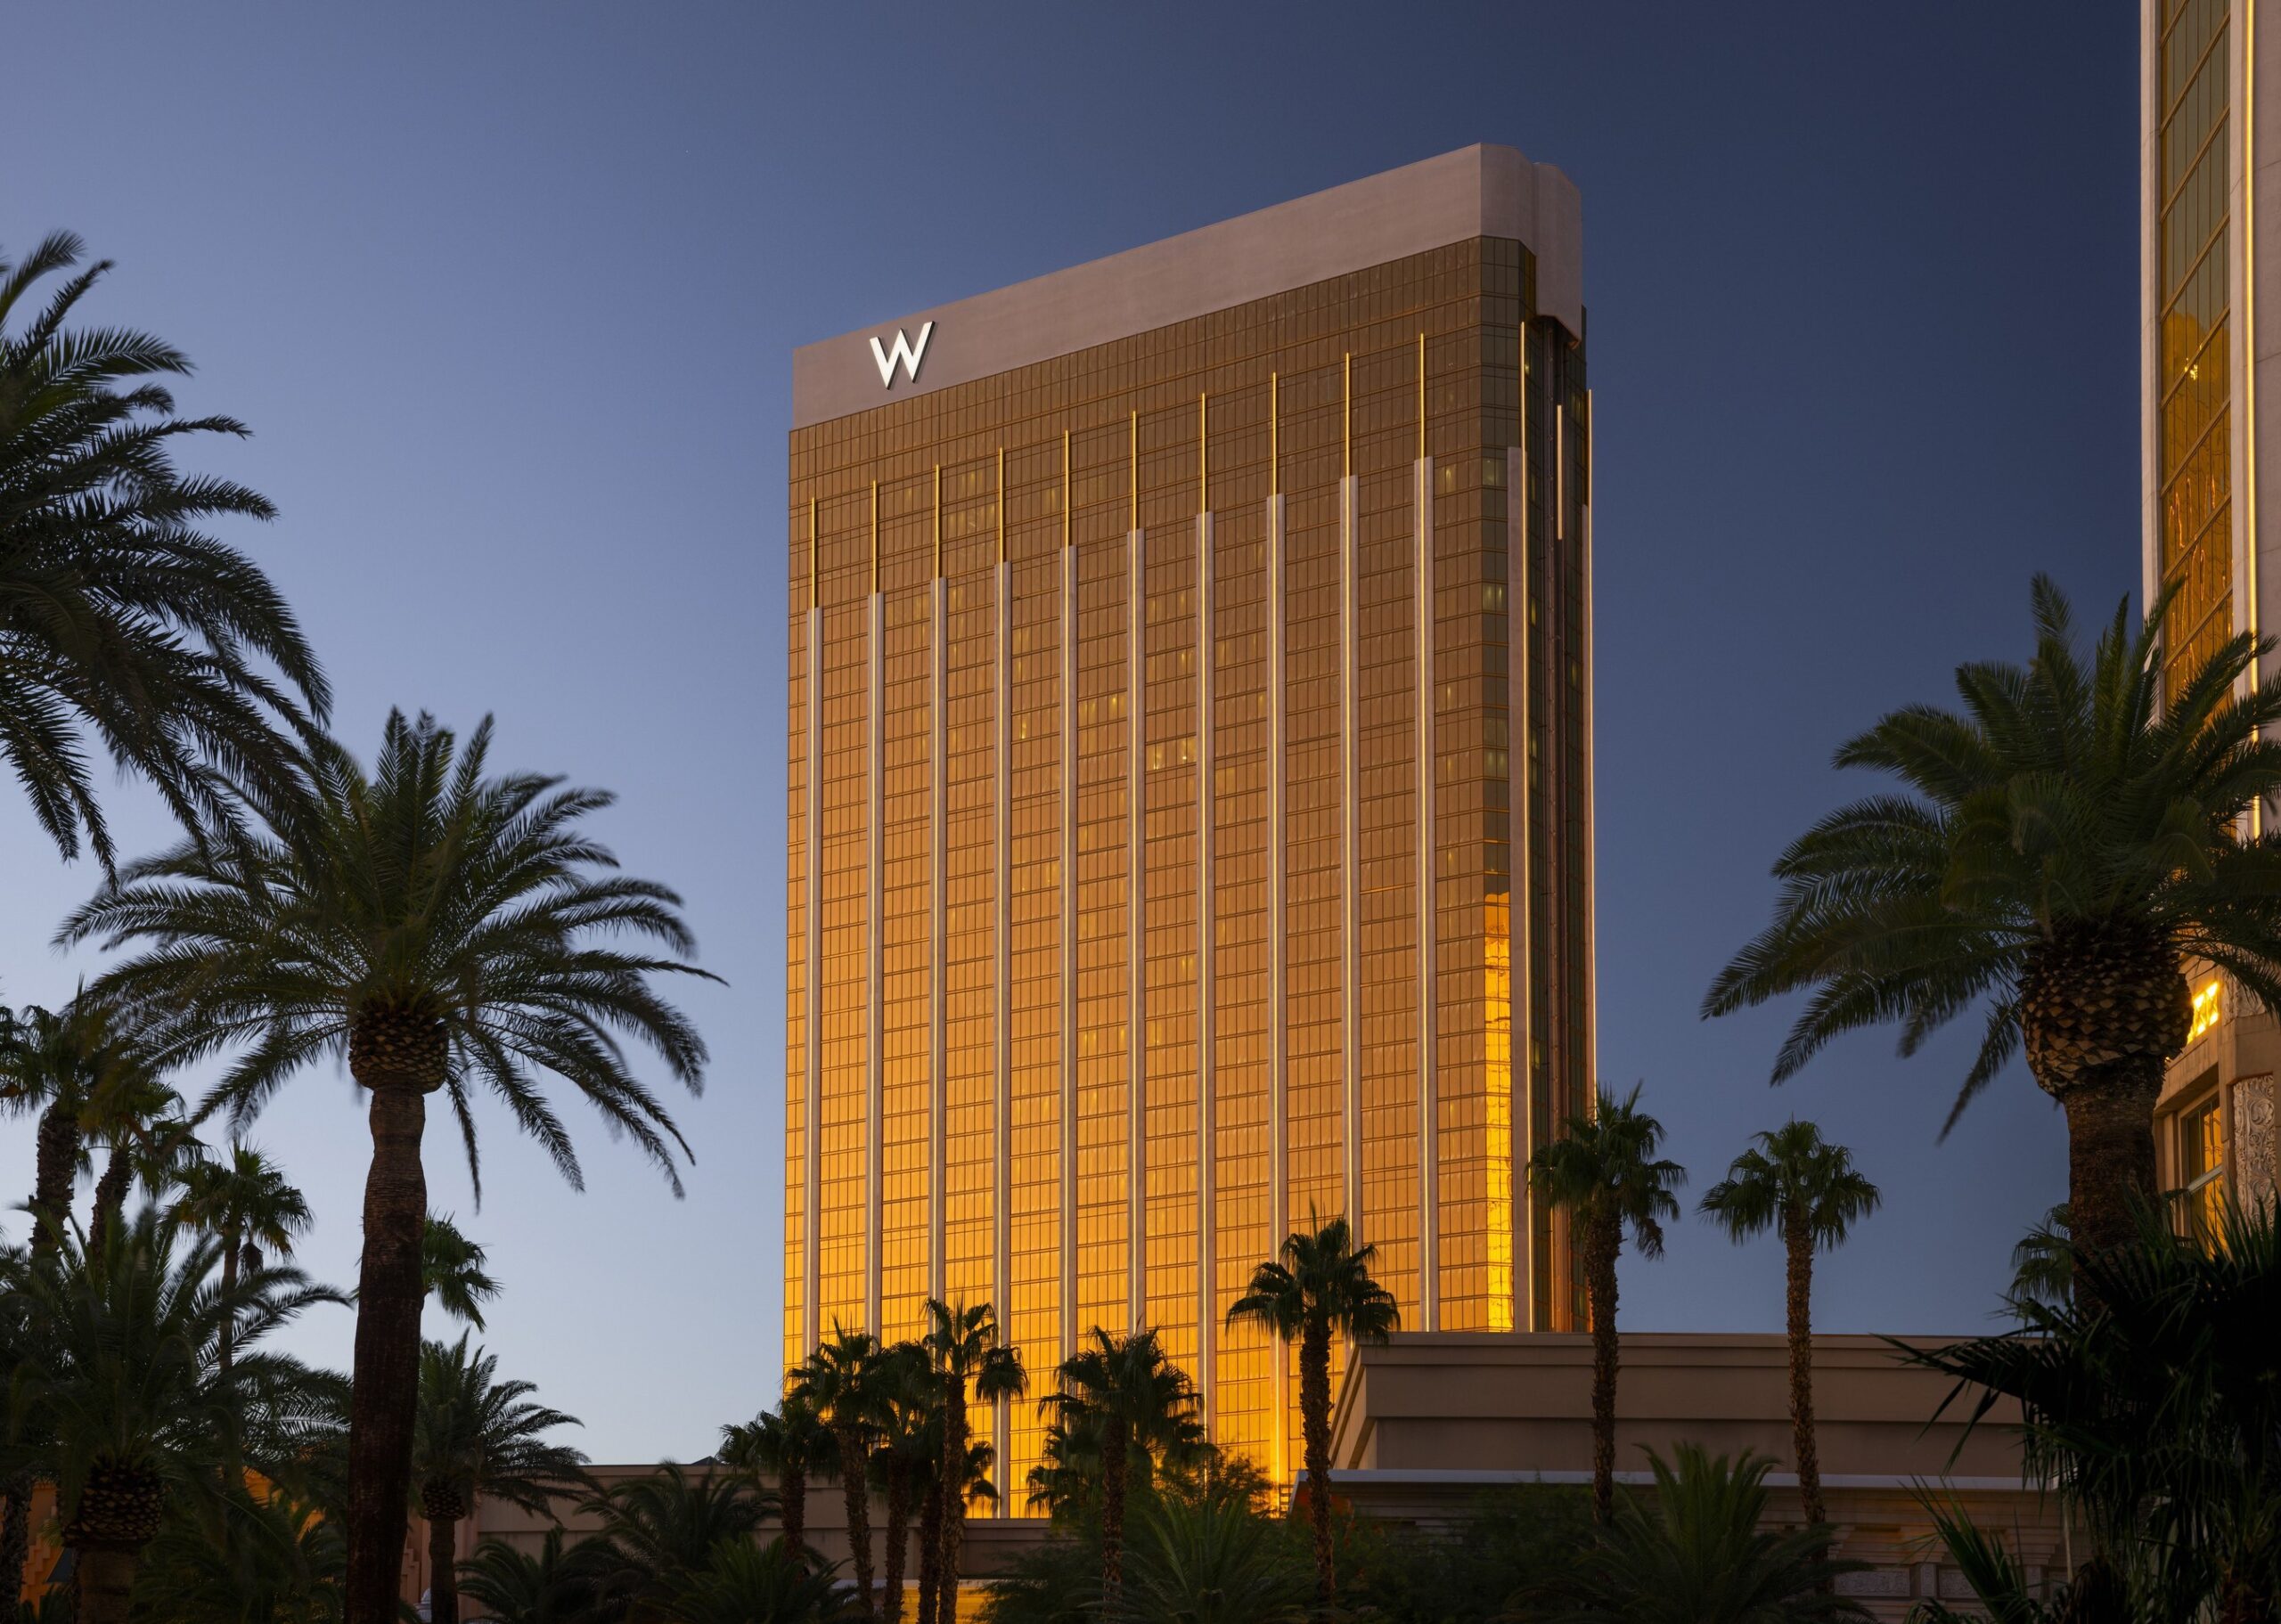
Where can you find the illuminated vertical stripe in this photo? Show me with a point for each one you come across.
(1136, 809)
(875, 944)
(1068, 918)
(1208, 1024)
(812, 1285)
(1350, 852)
(1517, 733)
(1430, 1061)
(938, 879)
(1002, 956)
(1278, 1025)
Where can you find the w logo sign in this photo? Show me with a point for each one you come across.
(904, 355)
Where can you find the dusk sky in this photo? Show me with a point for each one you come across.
(508, 295)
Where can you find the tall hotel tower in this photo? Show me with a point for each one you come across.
(1189, 653)
(2210, 180)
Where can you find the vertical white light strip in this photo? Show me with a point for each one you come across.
(1587, 951)
(1279, 1027)
(1069, 741)
(874, 957)
(1207, 1247)
(1517, 768)
(1136, 915)
(1002, 968)
(813, 1264)
(1350, 850)
(1429, 1063)
(938, 882)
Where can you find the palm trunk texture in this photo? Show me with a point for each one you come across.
(15, 1533)
(1314, 1428)
(1800, 1245)
(385, 1403)
(930, 1549)
(111, 1194)
(443, 1580)
(793, 1492)
(56, 1168)
(898, 1534)
(1112, 1511)
(1603, 1238)
(859, 1513)
(2110, 1152)
(954, 1442)
(104, 1575)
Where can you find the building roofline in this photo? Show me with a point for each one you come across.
(1475, 191)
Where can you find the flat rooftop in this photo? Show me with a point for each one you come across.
(1475, 191)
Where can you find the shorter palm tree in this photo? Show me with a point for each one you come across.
(452, 1270)
(1604, 1173)
(790, 1446)
(1319, 1286)
(1699, 1552)
(1125, 1393)
(130, 1404)
(659, 1528)
(1795, 1181)
(964, 1346)
(553, 1585)
(479, 1436)
(1211, 1560)
(907, 1455)
(841, 1379)
(243, 1201)
(53, 1063)
(746, 1583)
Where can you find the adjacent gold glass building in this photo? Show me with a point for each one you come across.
(1190, 783)
(2211, 140)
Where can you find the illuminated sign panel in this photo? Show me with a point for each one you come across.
(2207, 1010)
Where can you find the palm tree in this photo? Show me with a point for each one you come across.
(2043, 1270)
(247, 1557)
(51, 1063)
(746, 1583)
(1699, 1553)
(1604, 1172)
(436, 927)
(1798, 1183)
(452, 1270)
(1211, 1560)
(791, 1445)
(1319, 1286)
(2062, 850)
(1141, 1407)
(243, 1201)
(842, 1379)
(555, 1585)
(907, 1454)
(139, 1121)
(118, 615)
(479, 1436)
(962, 1344)
(660, 1528)
(132, 1403)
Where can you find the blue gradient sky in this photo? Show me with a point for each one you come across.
(508, 295)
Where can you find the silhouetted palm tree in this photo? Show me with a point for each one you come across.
(480, 1437)
(771, 1584)
(1319, 1286)
(1797, 1183)
(1141, 1407)
(843, 1381)
(2043, 1269)
(551, 1585)
(664, 1526)
(2061, 850)
(790, 1445)
(243, 1201)
(963, 1347)
(118, 615)
(51, 1063)
(907, 1455)
(453, 1272)
(1604, 1172)
(437, 928)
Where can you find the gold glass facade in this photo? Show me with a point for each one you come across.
(1171, 722)
(2193, 396)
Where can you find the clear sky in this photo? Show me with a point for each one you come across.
(509, 294)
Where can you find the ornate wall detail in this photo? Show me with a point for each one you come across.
(2257, 1158)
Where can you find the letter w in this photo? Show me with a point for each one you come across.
(904, 354)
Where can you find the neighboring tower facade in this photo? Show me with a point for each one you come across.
(2209, 119)
(1189, 653)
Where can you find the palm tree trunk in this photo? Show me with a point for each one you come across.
(1112, 1510)
(898, 1534)
(792, 1493)
(2110, 1151)
(954, 1446)
(56, 1169)
(104, 1577)
(858, 1497)
(443, 1579)
(223, 1353)
(15, 1533)
(385, 1399)
(110, 1194)
(930, 1549)
(1314, 1428)
(1800, 1243)
(1603, 1238)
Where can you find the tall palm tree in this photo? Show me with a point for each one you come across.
(244, 1203)
(119, 617)
(2062, 850)
(1141, 1407)
(790, 1446)
(964, 1346)
(907, 1455)
(1604, 1172)
(479, 1436)
(437, 928)
(53, 1063)
(452, 1270)
(132, 1403)
(1319, 1286)
(1795, 1181)
(1699, 1552)
(842, 1379)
